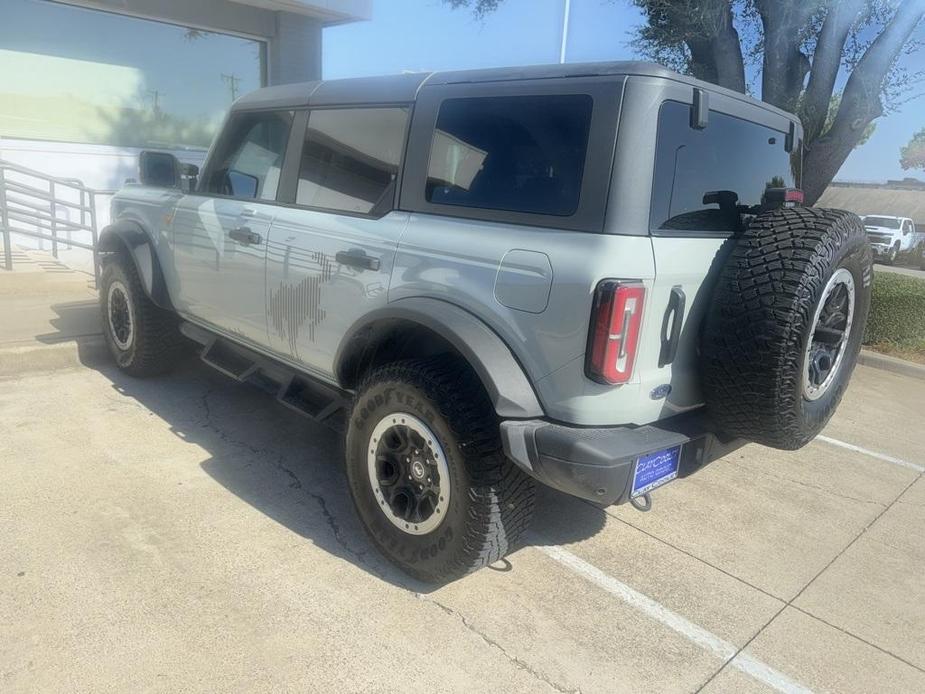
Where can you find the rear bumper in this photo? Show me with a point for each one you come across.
(598, 463)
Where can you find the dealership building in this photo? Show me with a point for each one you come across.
(85, 85)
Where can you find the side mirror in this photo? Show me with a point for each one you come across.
(242, 185)
(159, 169)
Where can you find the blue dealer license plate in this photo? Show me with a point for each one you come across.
(655, 469)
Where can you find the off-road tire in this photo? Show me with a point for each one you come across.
(491, 501)
(157, 342)
(758, 326)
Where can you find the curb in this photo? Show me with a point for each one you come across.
(886, 363)
(20, 359)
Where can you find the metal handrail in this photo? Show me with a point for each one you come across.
(31, 208)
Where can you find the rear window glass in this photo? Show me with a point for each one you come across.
(705, 180)
(517, 153)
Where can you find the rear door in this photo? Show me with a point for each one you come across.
(707, 181)
(220, 233)
(331, 248)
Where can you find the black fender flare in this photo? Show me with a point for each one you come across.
(131, 237)
(494, 363)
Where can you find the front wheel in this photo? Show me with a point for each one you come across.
(142, 337)
(894, 254)
(427, 472)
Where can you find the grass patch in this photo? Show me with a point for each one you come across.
(896, 324)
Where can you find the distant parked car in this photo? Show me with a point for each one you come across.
(890, 237)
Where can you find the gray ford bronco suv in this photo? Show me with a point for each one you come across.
(599, 277)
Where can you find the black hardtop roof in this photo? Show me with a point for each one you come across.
(403, 88)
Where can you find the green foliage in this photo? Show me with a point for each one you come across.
(897, 311)
(479, 7)
(912, 154)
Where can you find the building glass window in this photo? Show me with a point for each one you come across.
(148, 84)
(350, 158)
(517, 153)
(706, 179)
(249, 157)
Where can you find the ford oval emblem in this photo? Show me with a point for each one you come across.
(660, 392)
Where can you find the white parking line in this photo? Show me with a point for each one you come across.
(872, 454)
(707, 640)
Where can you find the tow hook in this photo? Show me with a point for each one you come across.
(643, 502)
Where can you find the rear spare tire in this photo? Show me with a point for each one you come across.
(783, 331)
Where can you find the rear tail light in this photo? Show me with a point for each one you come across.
(616, 318)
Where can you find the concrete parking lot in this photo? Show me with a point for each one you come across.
(189, 534)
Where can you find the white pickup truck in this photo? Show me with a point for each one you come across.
(891, 237)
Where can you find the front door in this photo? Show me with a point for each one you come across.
(330, 253)
(220, 233)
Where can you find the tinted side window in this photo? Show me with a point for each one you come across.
(249, 157)
(350, 158)
(518, 153)
(706, 179)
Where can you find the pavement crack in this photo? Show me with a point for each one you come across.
(359, 555)
(517, 662)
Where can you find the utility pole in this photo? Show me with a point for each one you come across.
(155, 101)
(233, 81)
(564, 31)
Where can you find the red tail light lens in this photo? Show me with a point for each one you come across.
(793, 195)
(616, 319)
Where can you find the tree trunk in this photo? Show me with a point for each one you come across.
(713, 42)
(784, 66)
(727, 54)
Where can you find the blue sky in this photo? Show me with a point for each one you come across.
(428, 35)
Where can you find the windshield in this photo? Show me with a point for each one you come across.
(888, 222)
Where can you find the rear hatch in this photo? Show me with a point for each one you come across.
(707, 182)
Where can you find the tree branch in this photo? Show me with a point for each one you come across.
(830, 45)
(785, 66)
(727, 51)
(860, 102)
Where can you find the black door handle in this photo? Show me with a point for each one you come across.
(357, 259)
(245, 235)
(675, 314)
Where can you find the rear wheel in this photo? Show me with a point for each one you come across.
(784, 328)
(427, 472)
(143, 338)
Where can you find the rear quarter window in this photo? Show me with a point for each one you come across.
(512, 153)
(706, 179)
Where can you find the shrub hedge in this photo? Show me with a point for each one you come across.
(897, 311)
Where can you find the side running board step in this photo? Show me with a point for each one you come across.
(297, 391)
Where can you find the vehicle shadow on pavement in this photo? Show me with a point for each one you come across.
(289, 467)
